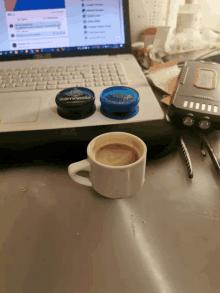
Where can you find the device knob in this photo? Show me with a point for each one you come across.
(188, 120)
(205, 123)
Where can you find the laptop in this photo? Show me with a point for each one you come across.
(47, 46)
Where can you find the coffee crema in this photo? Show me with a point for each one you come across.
(116, 154)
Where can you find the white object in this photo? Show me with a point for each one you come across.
(112, 181)
(197, 105)
(189, 16)
(151, 13)
(137, 46)
(191, 105)
(45, 115)
(163, 76)
(161, 38)
(185, 104)
(188, 40)
(209, 35)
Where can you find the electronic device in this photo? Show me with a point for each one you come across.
(196, 100)
(74, 43)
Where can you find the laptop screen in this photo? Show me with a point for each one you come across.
(62, 27)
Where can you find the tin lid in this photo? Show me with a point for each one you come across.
(75, 98)
(119, 102)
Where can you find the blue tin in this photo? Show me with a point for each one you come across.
(119, 102)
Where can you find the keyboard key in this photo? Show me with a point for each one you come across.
(52, 87)
(57, 78)
(107, 78)
(97, 75)
(20, 84)
(83, 69)
(37, 78)
(107, 83)
(6, 77)
(41, 82)
(67, 85)
(55, 73)
(47, 78)
(98, 79)
(85, 72)
(68, 77)
(116, 83)
(62, 86)
(31, 83)
(70, 69)
(76, 80)
(115, 78)
(36, 75)
(62, 82)
(27, 79)
(52, 82)
(65, 73)
(32, 71)
(17, 80)
(88, 76)
(9, 85)
(121, 73)
(88, 80)
(76, 75)
(89, 84)
(41, 87)
(98, 84)
(17, 89)
(124, 82)
(104, 74)
(42, 70)
(13, 73)
(46, 74)
(51, 70)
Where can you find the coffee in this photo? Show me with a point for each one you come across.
(116, 154)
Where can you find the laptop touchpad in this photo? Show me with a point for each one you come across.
(19, 109)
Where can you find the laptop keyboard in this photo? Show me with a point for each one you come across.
(51, 78)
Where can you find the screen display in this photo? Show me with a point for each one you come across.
(30, 27)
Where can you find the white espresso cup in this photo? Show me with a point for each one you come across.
(118, 177)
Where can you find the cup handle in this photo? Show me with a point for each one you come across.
(83, 165)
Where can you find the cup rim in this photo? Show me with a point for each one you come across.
(117, 167)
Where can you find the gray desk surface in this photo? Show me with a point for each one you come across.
(56, 236)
